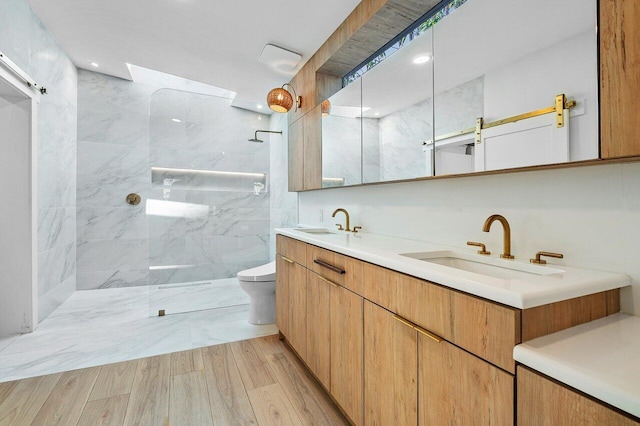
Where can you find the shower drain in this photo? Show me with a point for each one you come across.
(169, 286)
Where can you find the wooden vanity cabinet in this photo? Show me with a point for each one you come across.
(411, 378)
(390, 369)
(542, 401)
(291, 303)
(319, 328)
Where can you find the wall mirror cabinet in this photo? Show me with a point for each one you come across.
(494, 84)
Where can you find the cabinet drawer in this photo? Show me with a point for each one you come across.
(379, 286)
(292, 249)
(341, 269)
(486, 329)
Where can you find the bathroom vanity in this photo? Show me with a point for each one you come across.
(405, 332)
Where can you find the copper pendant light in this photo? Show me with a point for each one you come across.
(280, 100)
(325, 106)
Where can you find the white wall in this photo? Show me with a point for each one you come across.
(27, 42)
(591, 214)
(15, 226)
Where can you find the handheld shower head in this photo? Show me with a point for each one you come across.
(255, 137)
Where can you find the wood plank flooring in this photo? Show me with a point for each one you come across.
(252, 382)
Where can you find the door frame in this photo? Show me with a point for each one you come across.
(30, 319)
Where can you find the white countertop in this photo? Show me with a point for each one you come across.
(525, 291)
(600, 358)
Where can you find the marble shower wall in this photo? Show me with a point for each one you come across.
(26, 41)
(126, 128)
(284, 204)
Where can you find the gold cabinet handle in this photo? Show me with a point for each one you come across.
(328, 281)
(403, 321)
(286, 259)
(545, 253)
(420, 330)
(329, 266)
(429, 334)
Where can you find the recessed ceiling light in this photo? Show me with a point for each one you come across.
(177, 120)
(376, 114)
(421, 59)
(94, 64)
(259, 106)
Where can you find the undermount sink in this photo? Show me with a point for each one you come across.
(316, 231)
(478, 264)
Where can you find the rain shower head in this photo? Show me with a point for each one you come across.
(255, 136)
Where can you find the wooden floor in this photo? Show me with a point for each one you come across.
(258, 381)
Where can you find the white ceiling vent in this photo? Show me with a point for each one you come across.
(279, 58)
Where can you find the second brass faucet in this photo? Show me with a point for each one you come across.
(507, 233)
(346, 213)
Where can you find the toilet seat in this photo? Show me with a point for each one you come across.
(262, 273)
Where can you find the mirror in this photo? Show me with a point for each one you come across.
(499, 59)
(342, 161)
(490, 59)
(398, 117)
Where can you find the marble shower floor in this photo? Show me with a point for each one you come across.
(96, 327)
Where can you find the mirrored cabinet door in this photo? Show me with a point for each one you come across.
(342, 137)
(397, 111)
(505, 62)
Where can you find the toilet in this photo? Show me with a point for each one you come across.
(260, 284)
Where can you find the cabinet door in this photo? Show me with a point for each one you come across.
(296, 156)
(455, 387)
(319, 327)
(390, 369)
(346, 351)
(298, 309)
(544, 402)
(312, 123)
(619, 77)
(282, 294)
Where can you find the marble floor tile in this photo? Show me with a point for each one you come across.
(97, 327)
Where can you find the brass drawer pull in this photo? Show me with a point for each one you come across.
(286, 259)
(429, 334)
(404, 321)
(418, 329)
(328, 281)
(329, 266)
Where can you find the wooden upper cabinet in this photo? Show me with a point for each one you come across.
(296, 156)
(619, 77)
(312, 123)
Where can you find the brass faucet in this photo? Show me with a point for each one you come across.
(346, 213)
(507, 233)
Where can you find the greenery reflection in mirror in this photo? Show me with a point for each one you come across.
(341, 138)
(498, 59)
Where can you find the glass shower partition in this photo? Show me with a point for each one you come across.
(208, 208)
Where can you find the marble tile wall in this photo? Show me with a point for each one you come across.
(28, 43)
(200, 226)
(402, 133)
(284, 204)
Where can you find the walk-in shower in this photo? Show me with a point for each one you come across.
(208, 206)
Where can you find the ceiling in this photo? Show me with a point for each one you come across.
(214, 42)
